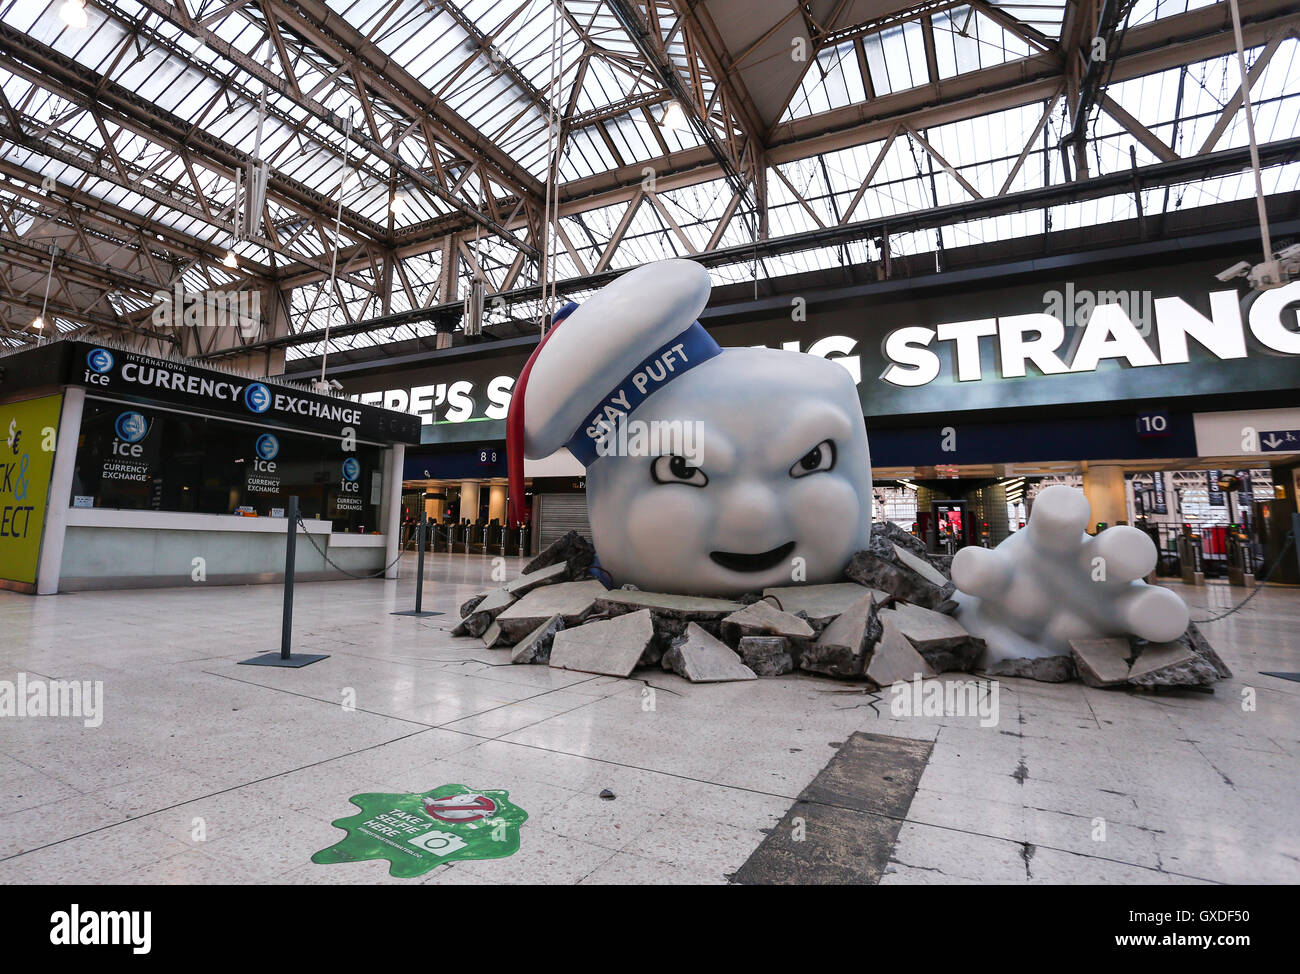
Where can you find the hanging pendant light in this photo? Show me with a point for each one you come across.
(674, 117)
(73, 13)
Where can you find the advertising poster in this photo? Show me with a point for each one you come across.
(346, 497)
(1216, 492)
(133, 455)
(30, 431)
(1158, 481)
(263, 471)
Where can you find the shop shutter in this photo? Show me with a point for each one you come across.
(560, 513)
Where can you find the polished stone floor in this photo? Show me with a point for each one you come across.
(204, 771)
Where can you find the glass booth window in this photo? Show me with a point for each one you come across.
(139, 459)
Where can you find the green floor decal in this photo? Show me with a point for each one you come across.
(417, 832)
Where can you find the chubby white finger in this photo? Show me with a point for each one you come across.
(1151, 612)
(1125, 552)
(983, 572)
(1058, 518)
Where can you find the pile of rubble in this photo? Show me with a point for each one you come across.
(890, 620)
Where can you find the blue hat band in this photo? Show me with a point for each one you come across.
(669, 361)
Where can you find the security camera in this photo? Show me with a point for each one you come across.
(323, 387)
(1239, 269)
(1269, 274)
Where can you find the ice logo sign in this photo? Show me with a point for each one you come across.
(268, 447)
(257, 397)
(131, 427)
(351, 469)
(100, 360)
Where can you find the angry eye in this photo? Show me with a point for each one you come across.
(817, 460)
(675, 470)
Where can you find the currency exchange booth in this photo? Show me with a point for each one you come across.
(123, 470)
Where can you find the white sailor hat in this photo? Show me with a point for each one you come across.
(603, 359)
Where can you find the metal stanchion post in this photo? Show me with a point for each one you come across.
(419, 573)
(1236, 560)
(284, 657)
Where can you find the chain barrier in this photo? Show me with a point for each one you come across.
(336, 567)
(1290, 539)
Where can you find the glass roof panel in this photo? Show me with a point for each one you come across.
(492, 61)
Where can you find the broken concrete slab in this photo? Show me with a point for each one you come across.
(462, 628)
(764, 619)
(766, 655)
(842, 648)
(469, 605)
(820, 604)
(1044, 669)
(670, 614)
(571, 600)
(890, 531)
(571, 549)
(493, 605)
(1199, 645)
(689, 608)
(1101, 662)
(495, 601)
(940, 562)
(492, 637)
(536, 646)
(1170, 664)
(925, 628)
(962, 658)
(899, 573)
(922, 567)
(702, 658)
(940, 639)
(484, 611)
(528, 581)
(894, 658)
(612, 647)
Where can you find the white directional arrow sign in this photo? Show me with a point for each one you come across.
(1279, 441)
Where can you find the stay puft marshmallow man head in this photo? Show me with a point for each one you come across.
(710, 471)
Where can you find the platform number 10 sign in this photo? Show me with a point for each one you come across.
(1153, 424)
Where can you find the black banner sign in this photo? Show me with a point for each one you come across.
(131, 375)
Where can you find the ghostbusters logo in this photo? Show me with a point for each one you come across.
(460, 808)
(759, 472)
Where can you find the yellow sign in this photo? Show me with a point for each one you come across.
(29, 430)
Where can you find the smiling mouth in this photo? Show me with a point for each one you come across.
(737, 562)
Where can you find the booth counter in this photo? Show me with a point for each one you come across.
(121, 470)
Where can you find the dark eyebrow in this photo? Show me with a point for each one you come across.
(806, 430)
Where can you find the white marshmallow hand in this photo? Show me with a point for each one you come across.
(1051, 583)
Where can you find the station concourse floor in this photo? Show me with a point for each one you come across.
(1192, 788)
